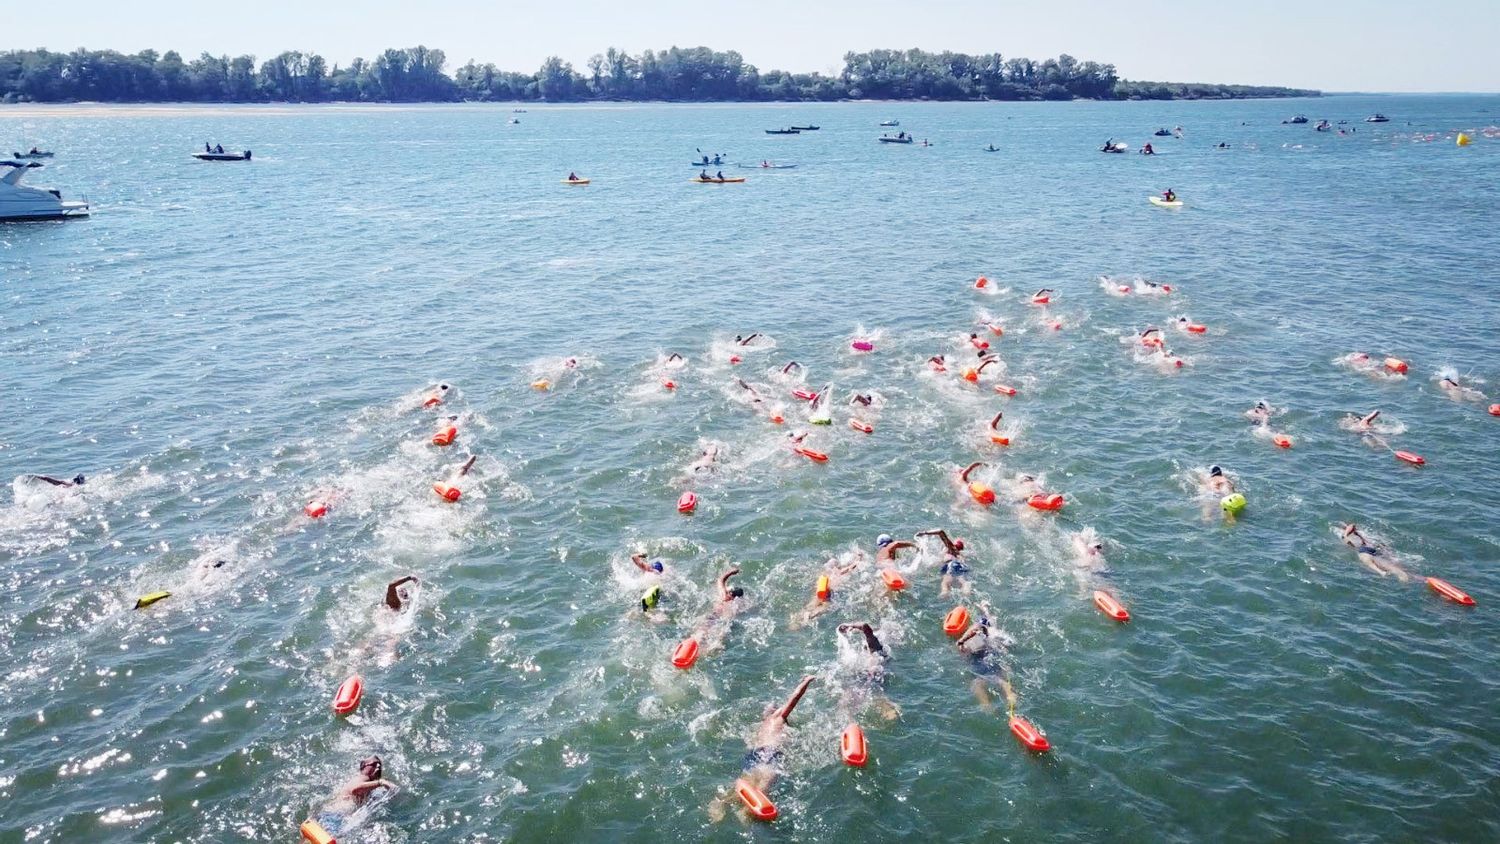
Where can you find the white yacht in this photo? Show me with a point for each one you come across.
(19, 202)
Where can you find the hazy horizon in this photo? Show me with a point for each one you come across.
(1341, 46)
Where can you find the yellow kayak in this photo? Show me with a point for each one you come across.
(1162, 203)
(728, 181)
(575, 181)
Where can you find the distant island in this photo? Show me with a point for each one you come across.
(696, 74)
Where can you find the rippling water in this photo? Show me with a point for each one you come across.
(221, 344)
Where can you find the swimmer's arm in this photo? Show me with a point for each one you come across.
(987, 362)
(640, 562)
(747, 340)
(724, 582)
(995, 423)
(467, 466)
(367, 787)
(392, 596)
(871, 641)
(964, 475)
(50, 480)
(785, 711)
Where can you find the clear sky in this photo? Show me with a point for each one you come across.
(1335, 45)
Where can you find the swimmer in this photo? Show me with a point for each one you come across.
(1373, 557)
(836, 572)
(436, 398)
(1260, 414)
(755, 397)
(1153, 286)
(47, 479)
(871, 676)
(864, 399)
(985, 661)
(676, 358)
(706, 462)
(763, 764)
(727, 607)
(653, 566)
(954, 568)
(396, 598)
(886, 549)
(1151, 337)
(352, 795)
(995, 424)
(1457, 391)
(649, 599)
(1218, 481)
(1367, 421)
(939, 363)
(787, 370)
(987, 361)
(1027, 486)
(745, 341)
(570, 363)
(1045, 291)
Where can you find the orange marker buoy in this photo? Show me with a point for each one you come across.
(956, 621)
(981, 283)
(1408, 457)
(978, 343)
(687, 502)
(314, 833)
(733, 359)
(1004, 390)
(432, 401)
(893, 579)
(445, 436)
(982, 494)
(315, 510)
(1041, 300)
(1029, 735)
(1045, 501)
(1109, 606)
(823, 590)
(1281, 440)
(815, 456)
(1449, 591)
(997, 439)
(1195, 328)
(970, 374)
(1396, 365)
(686, 653)
(852, 746)
(805, 395)
(862, 426)
(1495, 410)
(447, 492)
(777, 419)
(347, 698)
(541, 384)
(760, 806)
(668, 384)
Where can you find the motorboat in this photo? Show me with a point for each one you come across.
(807, 128)
(1323, 126)
(21, 202)
(1162, 133)
(34, 154)
(783, 131)
(1298, 120)
(887, 139)
(890, 123)
(222, 156)
(1377, 117)
(1114, 146)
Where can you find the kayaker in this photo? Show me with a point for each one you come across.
(1169, 195)
(720, 177)
(1147, 150)
(704, 177)
(572, 177)
(219, 149)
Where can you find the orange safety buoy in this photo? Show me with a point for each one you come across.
(1045, 501)
(432, 401)
(686, 653)
(735, 359)
(347, 698)
(541, 384)
(445, 436)
(687, 502)
(805, 395)
(1396, 365)
(999, 439)
(982, 493)
(862, 346)
(760, 806)
(852, 746)
(1449, 591)
(1057, 326)
(970, 374)
(862, 426)
(314, 833)
(893, 579)
(315, 510)
(823, 590)
(956, 621)
(815, 456)
(1195, 328)
(1408, 457)
(447, 492)
(777, 419)
(1109, 606)
(981, 283)
(1281, 440)
(1004, 390)
(978, 343)
(668, 384)
(1495, 410)
(1029, 736)
(1040, 300)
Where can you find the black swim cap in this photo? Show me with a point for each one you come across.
(736, 592)
(78, 480)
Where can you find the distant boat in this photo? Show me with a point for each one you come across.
(783, 131)
(513, 121)
(1299, 119)
(1162, 133)
(35, 153)
(890, 123)
(222, 156)
(1323, 126)
(1377, 117)
(18, 202)
(766, 166)
(807, 128)
(887, 139)
(518, 111)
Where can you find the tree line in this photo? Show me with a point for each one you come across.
(697, 74)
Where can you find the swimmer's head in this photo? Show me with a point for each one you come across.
(1260, 405)
(958, 545)
(78, 480)
(1026, 479)
(656, 566)
(371, 768)
(443, 387)
(1215, 472)
(736, 592)
(1096, 547)
(883, 540)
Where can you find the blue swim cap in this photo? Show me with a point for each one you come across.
(883, 540)
(656, 565)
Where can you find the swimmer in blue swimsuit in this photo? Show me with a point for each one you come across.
(1373, 557)
(985, 663)
(869, 680)
(764, 763)
(954, 567)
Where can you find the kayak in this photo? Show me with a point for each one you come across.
(222, 156)
(768, 166)
(783, 131)
(1162, 203)
(807, 128)
(719, 163)
(726, 181)
(575, 181)
(895, 140)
